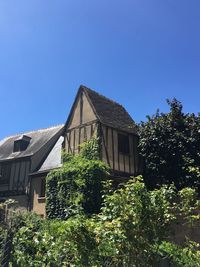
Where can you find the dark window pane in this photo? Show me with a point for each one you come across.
(123, 143)
(20, 145)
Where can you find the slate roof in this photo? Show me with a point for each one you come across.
(54, 159)
(38, 139)
(110, 112)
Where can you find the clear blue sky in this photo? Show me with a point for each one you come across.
(137, 52)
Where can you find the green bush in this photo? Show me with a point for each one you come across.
(56, 243)
(133, 219)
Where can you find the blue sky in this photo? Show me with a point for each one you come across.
(137, 52)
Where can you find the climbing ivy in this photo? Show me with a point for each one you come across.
(77, 185)
(91, 149)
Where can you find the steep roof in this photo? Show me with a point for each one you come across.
(54, 159)
(38, 139)
(110, 112)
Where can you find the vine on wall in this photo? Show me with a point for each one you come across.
(77, 185)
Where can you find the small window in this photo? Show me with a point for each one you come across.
(4, 173)
(42, 188)
(123, 143)
(21, 143)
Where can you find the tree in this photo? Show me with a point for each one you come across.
(170, 146)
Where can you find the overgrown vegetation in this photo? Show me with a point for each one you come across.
(132, 229)
(77, 186)
(170, 146)
(4, 226)
(90, 223)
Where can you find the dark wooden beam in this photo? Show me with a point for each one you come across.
(113, 152)
(81, 125)
(74, 143)
(120, 130)
(79, 139)
(85, 134)
(81, 108)
(69, 146)
(104, 144)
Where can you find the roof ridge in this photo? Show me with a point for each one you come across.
(32, 131)
(105, 97)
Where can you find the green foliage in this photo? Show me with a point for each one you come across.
(132, 220)
(4, 226)
(77, 185)
(189, 206)
(170, 146)
(91, 149)
(55, 243)
(131, 230)
(21, 219)
(189, 256)
(3, 234)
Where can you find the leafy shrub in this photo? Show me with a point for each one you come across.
(132, 220)
(56, 243)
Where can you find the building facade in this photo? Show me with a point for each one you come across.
(20, 156)
(25, 160)
(95, 115)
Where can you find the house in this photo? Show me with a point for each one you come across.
(25, 160)
(93, 114)
(38, 178)
(20, 156)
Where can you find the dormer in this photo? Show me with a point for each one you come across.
(21, 143)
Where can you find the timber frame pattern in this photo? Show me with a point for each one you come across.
(94, 115)
(91, 115)
(16, 167)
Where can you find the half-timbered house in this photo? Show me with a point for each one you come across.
(20, 156)
(95, 115)
(25, 160)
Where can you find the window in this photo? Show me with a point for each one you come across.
(4, 173)
(123, 143)
(42, 188)
(21, 144)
